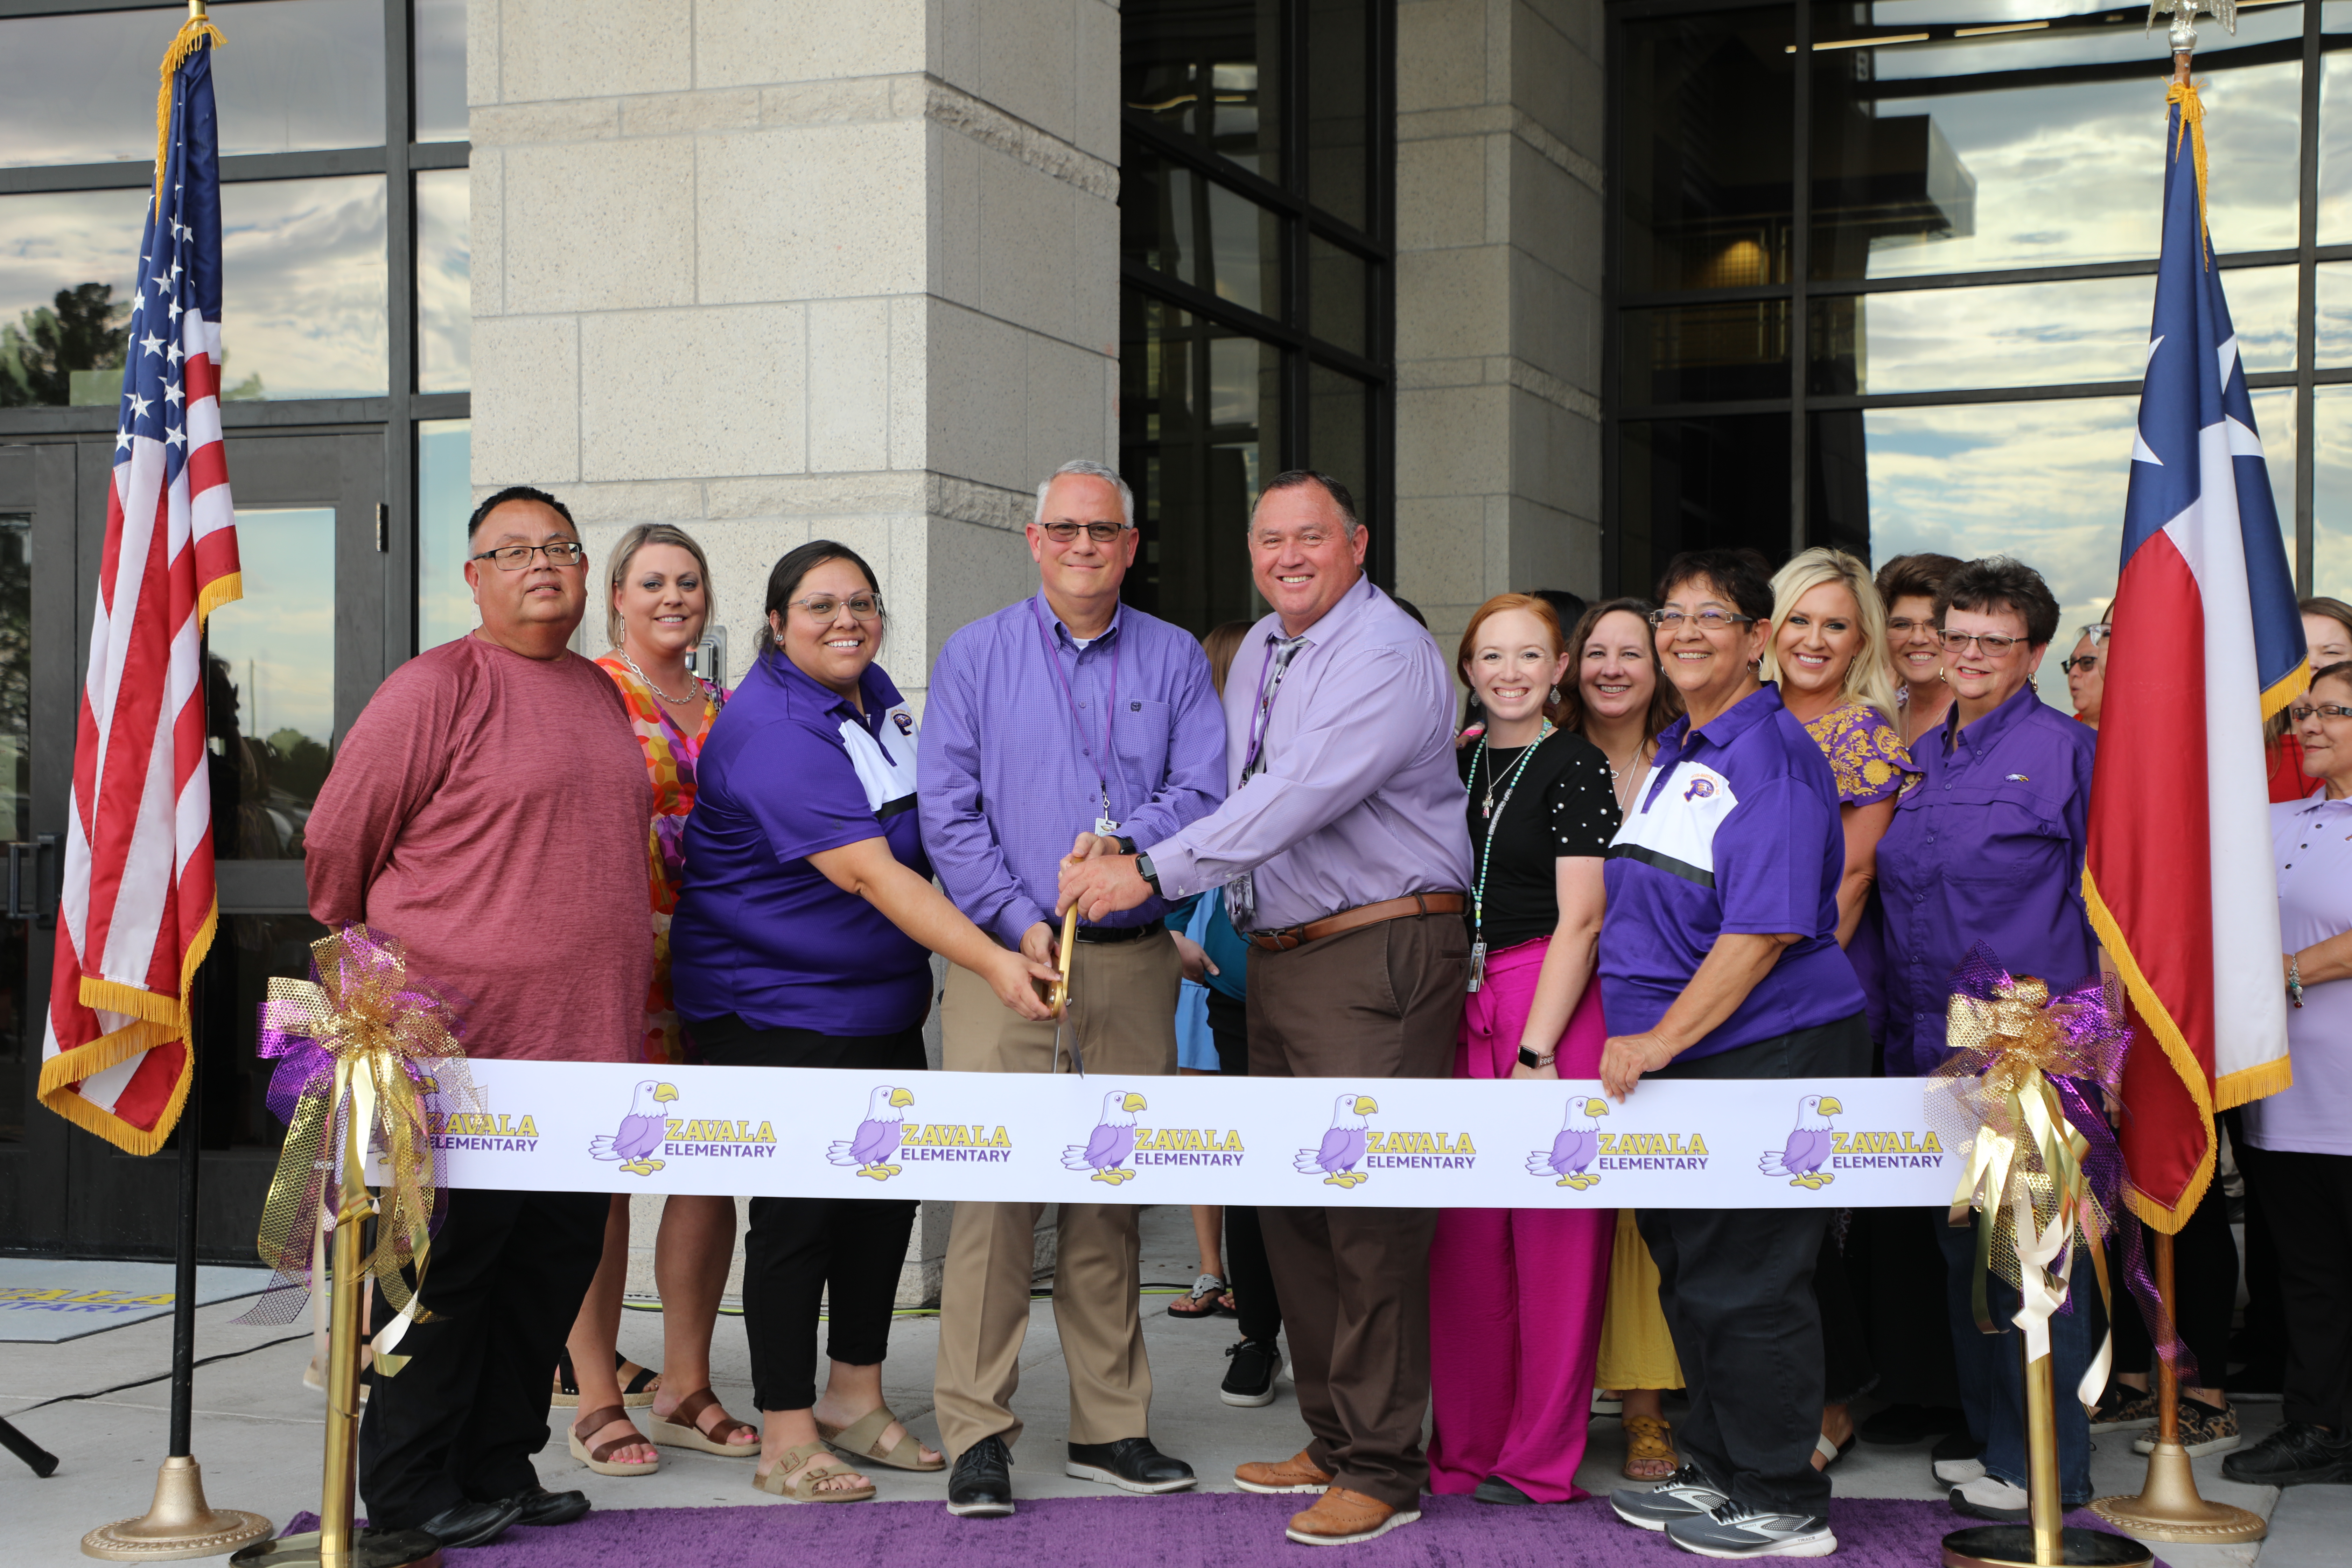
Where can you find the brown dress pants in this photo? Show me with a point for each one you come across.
(1382, 1001)
(1123, 1012)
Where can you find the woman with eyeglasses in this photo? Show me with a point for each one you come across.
(2327, 634)
(1988, 849)
(1907, 587)
(1719, 959)
(2086, 673)
(2300, 1138)
(803, 940)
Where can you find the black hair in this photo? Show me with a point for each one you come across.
(2001, 582)
(1567, 608)
(784, 580)
(1410, 608)
(517, 492)
(2340, 670)
(1291, 479)
(1742, 574)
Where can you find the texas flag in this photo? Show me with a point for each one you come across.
(2207, 645)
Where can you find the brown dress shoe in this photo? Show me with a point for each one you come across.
(1295, 1474)
(1341, 1517)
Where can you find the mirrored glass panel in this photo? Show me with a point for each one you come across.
(272, 683)
(445, 499)
(1338, 124)
(1209, 70)
(294, 75)
(1337, 408)
(438, 82)
(1686, 353)
(20, 1032)
(1708, 120)
(2333, 338)
(1697, 484)
(248, 951)
(66, 262)
(2027, 145)
(1205, 234)
(2335, 122)
(2331, 509)
(1338, 294)
(445, 289)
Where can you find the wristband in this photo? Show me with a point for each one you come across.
(1143, 869)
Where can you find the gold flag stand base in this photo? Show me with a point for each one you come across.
(180, 1524)
(2045, 1543)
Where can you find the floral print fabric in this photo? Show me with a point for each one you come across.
(1865, 753)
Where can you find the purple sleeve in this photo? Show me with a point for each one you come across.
(1768, 873)
(802, 791)
(963, 850)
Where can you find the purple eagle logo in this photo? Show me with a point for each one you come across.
(878, 1136)
(906, 722)
(1105, 1149)
(1808, 1148)
(1699, 789)
(640, 1132)
(1344, 1143)
(1576, 1146)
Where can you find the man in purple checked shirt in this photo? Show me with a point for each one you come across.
(1344, 852)
(1066, 713)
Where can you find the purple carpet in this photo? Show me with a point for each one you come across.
(1187, 1530)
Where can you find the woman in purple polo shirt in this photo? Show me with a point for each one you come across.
(803, 940)
(1988, 849)
(1719, 959)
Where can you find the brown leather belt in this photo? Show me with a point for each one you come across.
(1288, 937)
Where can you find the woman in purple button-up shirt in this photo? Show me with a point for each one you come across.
(1989, 847)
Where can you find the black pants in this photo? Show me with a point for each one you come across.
(1896, 1266)
(801, 1255)
(503, 1281)
(1254, 1302)
(2260, 1340)
(2204, 1292)
(2307, 1199)
(1737, 1289)
(1847, 1370)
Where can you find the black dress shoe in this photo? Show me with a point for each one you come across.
(980, 1484)
(471, 1523)
(1900, 1426)
(1495, 1490)
(1131, 1464)
(541, 1506)
(2297, 1454)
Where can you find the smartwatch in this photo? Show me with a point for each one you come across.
(1527, 1058)
(1143, 869)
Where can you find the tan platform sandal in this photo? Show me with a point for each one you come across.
(862, 1439)
(1649, 1449)
(638, 1384)
(600, 1458)
(800, 1469)
(679, 1429)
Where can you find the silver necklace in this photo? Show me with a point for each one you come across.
(1486, 807)
(691, 695)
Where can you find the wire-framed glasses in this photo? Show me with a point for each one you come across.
(1994, 645)
(1707, 620)
(1065, 532)
(825, 606)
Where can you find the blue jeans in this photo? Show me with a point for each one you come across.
(1992, 1375)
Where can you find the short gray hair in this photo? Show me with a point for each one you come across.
(1092, 470)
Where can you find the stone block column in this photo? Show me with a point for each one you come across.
(781, 270)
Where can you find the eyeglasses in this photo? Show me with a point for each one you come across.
(1100, 532)
(823, 606)
(1993, 645)
(2086, 662)
(515, 557)
(1901, 625)
(1709, 620)
(2302, 715)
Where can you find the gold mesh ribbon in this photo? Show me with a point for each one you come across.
(360, 1046)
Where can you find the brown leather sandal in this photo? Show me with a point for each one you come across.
(679, 1429)
(600, 1458)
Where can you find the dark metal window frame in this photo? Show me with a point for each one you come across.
(398, 159)
(1290, 198)
(1801, 289)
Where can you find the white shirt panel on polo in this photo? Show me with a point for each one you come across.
(889, 774)
(1673, 825)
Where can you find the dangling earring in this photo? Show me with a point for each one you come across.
(2033, 686)
(1555, 696)
(1942, 677)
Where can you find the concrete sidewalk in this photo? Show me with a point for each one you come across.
(259, 1430)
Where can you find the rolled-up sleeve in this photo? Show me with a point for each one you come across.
(962, 847)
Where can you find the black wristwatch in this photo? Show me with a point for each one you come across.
(1125, 845)
(1143, 869)
(1527, 1058)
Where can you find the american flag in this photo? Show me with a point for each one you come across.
(138, 906)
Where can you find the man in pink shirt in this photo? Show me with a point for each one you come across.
(489, 809)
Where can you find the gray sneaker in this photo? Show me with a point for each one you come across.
(1685, 1494)
(1736, 1530)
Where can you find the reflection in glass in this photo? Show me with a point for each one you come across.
(1199, 408)
(66, 262)
(1208, 235)
(1704, 171)
(439, 78)
(1338, 294)
(296, 75)
(1700, 484)
(1337, 409)
(272, 683)
(2331, 499)
(1918, 168)
(1339, 122)
(1688, 353)
(445, 299)
(19, 1037)
(445, 499)
(1208, 69)
(2333, 344)
(248, 951)
(2025, 334)
(2335, 122)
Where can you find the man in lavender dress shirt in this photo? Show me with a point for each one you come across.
(1066, 712)
(1344, 850)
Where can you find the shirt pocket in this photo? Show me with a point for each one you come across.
(1139, 737)
(2011, 833)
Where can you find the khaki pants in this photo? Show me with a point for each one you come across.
(1123, 1014)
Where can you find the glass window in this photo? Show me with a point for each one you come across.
(294, 75)
(254, 950)
(2331, 507)
(1338, 294)
(20, 1037)
(304, 312)
(2036, 147)
(1338, 123)
(1208, 235)
(66, 262)
(2335, 122)
(1696, 484)
(439, 80)
(1704, 167)
(1687, 352)
(1208, 70)
(445, 288)
(2333, 340)
(1337, 409)
(445, 499)
(272, 683)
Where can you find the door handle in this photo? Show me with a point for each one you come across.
(17, 909)
(48, 856)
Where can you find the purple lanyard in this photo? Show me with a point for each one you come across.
(1054, 657)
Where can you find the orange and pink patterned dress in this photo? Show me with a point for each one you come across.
(670, 752)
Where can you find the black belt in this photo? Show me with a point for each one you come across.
(1102, 934)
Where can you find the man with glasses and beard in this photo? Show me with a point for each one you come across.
(484, 777)
(1066, 714)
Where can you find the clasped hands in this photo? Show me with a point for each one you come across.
(1099, 879)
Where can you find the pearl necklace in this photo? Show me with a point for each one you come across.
(693, 693)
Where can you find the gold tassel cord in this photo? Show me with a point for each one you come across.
(2183, 92)
(193, 34)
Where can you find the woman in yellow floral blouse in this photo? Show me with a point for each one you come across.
(659, 600)
(1827, 652)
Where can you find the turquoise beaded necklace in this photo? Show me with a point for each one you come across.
(1493, 814)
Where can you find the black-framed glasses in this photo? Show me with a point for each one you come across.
(2086, 662)
(2302, 714)
(1994, 645)
(825, 606)
(1707, 620)
(1100, 532)
(515, 557)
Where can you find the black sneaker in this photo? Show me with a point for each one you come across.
(980, 1484)
(2203, 1430)
(1249, 1382)
(2297, 1454)
(1736, 1530)
(1685, 1494)
(1131, 1464)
